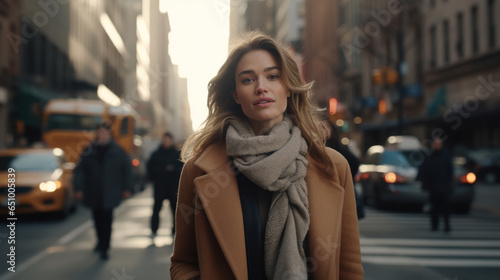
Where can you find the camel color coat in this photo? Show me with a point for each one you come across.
(210, 242)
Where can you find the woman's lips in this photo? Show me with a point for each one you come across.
(264, 102)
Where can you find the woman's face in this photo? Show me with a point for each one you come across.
(260, 90)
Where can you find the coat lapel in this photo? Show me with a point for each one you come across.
(326, 198)
(218, 192)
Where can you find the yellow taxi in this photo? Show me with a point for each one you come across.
(36, 180)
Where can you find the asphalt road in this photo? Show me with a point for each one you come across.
(395, 245)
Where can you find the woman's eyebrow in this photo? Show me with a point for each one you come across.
(253, 72)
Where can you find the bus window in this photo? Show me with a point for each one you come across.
(71, 122)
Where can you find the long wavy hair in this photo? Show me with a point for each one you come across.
(222, 108)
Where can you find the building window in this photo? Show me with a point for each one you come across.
(475, 31)
(460, 35)
(446, 41)
(491, 23)
(433, 3)
(433, 46)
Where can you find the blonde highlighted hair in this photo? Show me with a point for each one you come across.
(222, 107)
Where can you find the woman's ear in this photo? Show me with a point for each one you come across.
(235, 97)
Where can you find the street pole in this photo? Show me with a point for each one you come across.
(400, 85)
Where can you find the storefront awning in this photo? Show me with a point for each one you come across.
(30, 101)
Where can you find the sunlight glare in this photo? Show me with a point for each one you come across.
(198, 43)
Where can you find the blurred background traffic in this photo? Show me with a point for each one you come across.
(391, 75)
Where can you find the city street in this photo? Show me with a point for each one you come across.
(62, 249)
(394, 244)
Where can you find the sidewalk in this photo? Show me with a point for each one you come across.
(133, 253)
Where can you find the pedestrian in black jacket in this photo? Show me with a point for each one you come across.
(102, 178)
(164, 168)
(436, 174)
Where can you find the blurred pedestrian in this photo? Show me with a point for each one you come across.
(102, 178)
(333, 141)
(436, 174)
(164, 168)
(260, 195)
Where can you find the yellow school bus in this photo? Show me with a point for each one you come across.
(69, 124)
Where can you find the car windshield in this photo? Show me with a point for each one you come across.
(395, 158)
(414, 158)
(29, 162)
(72, 122)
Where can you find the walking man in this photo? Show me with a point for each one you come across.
(102, 178)
(164, 168)
(436, 174)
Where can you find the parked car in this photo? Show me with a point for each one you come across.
(389, 179)
(489, 171)
(42, 180)
(388, 176)
(488, 162)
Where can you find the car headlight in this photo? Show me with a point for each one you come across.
(50, 186)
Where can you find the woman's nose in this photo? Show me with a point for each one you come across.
(261, 87)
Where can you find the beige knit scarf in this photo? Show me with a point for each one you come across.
(276, 162)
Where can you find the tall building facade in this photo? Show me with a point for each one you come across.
(10, 64)
(411, 67)
(248, 15)
(69, 49)
(163, 92)
(321, 48)
(379, 68)
(462, 69)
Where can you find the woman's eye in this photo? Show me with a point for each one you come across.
(273, 77)
(247, 80)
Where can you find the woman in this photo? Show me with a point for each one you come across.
(260, 196)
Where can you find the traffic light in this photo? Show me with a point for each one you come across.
(378, 77)
(385, 76)
(382, 107)
(391, 76)
(333, 106)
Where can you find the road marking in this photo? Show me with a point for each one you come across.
(408, 251)
(62, 241)
(430, 242)
(74, 233)
(430, 262)
(25, 265)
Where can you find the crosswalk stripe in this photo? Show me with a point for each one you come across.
(430, 242)
(430, 262)
(408, 251)
(471, 243)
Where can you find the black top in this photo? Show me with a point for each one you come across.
(255, 203)
(436, 173)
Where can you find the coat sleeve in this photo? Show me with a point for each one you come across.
(350, 252)
(184, 260)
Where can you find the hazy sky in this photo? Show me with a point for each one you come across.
(198, 44)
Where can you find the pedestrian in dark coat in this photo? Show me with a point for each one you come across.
(164, 169)
(102, 178)
(436, 174)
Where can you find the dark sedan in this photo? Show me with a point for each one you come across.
(389, 179)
